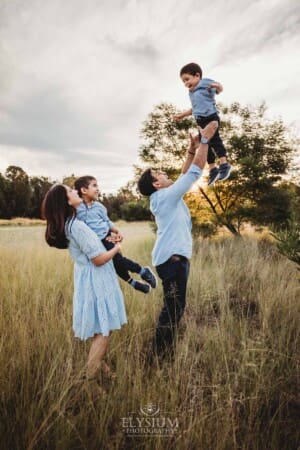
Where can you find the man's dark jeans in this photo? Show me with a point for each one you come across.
(174, 275)
(122, 265)
(215, 144)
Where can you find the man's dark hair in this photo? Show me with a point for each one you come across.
(83, 182)
(191, 69)
(145, 183)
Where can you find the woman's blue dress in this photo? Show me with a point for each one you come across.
(98, 304)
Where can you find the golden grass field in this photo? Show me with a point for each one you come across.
(234, 383)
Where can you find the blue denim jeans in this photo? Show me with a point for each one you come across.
(174, 275)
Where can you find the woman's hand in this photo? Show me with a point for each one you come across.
(118, 246)
(114, 237)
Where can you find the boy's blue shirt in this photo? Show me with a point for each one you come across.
(203, 99)
(173, 218)
(95, 216)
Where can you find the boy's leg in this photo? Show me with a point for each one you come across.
(119, 269)
(224, 167)
(218, 146)
(211, 157)
(124, 265)
(120, 263)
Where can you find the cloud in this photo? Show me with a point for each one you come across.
(258, 27)
(141, 49)
(78, 78)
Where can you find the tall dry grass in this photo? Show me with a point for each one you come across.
(234, 381)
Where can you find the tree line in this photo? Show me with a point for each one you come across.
(258, 191)
(22, 196)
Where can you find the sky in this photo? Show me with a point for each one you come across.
(78, 77)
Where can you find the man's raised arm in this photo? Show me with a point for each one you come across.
(197, 153)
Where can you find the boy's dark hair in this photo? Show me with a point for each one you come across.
(145, 183)
(191, 69)
(83, 182)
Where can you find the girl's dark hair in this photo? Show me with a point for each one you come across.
(191, 69)
(56, 211)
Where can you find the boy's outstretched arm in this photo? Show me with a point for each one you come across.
(182, 115)
(217, 86)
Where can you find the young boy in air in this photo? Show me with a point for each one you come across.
(202, 95)
(94, 214)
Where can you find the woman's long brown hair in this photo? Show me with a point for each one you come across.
(56, 211)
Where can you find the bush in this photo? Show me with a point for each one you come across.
(204, 229)
(138, 210)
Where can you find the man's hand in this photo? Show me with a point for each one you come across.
(194, 142)
(209, 130)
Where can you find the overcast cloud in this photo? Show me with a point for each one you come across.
(78, 77)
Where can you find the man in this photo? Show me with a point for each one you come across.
(173, 246)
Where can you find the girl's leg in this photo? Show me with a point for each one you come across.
(97, 351)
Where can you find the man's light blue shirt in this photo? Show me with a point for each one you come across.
(95, 216)
(203, 98)
(173, 218)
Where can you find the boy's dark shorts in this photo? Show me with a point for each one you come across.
(202, 121)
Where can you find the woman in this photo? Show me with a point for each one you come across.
(98, 305)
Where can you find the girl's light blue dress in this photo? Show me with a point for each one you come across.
(98, 304)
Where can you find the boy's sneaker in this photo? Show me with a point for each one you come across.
(142, 287)
(213, 176)
(148, 276)
(224, 171)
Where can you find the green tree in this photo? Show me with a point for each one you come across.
(5, 212)
(18, 198)
(288, 241)
(258, 149)
(39, 187)
(136, 210)
(165, 141)
(70, 180)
